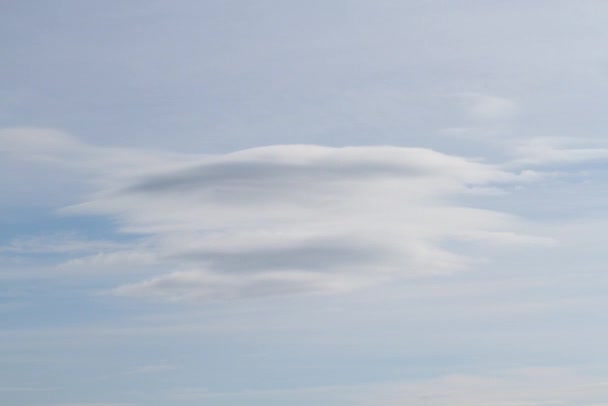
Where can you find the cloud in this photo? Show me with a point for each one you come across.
(288, 219)
(285, 218)
(557, 150)
(95, 162)
(201, 285)
(82, 253)
(40, 144)
(111, 260)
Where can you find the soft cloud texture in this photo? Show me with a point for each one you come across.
(282, 219)
(559, 151)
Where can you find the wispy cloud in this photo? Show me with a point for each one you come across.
(558, 150)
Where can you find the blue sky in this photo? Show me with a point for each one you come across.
(333, 203)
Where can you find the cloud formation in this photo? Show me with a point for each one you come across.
(284, 218)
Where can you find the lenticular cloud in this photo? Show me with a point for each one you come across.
(291, 218)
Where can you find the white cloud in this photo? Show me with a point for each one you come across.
(283, 219)
(82, 253)
(200, 285)
(109, 260)
(557, 150)
(303, 218)
(59, 148)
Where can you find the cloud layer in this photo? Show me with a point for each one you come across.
(283, 219)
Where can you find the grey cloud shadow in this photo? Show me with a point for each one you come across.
(309, 256)
(249, 175)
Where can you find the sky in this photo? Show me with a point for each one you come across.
(331, 203)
